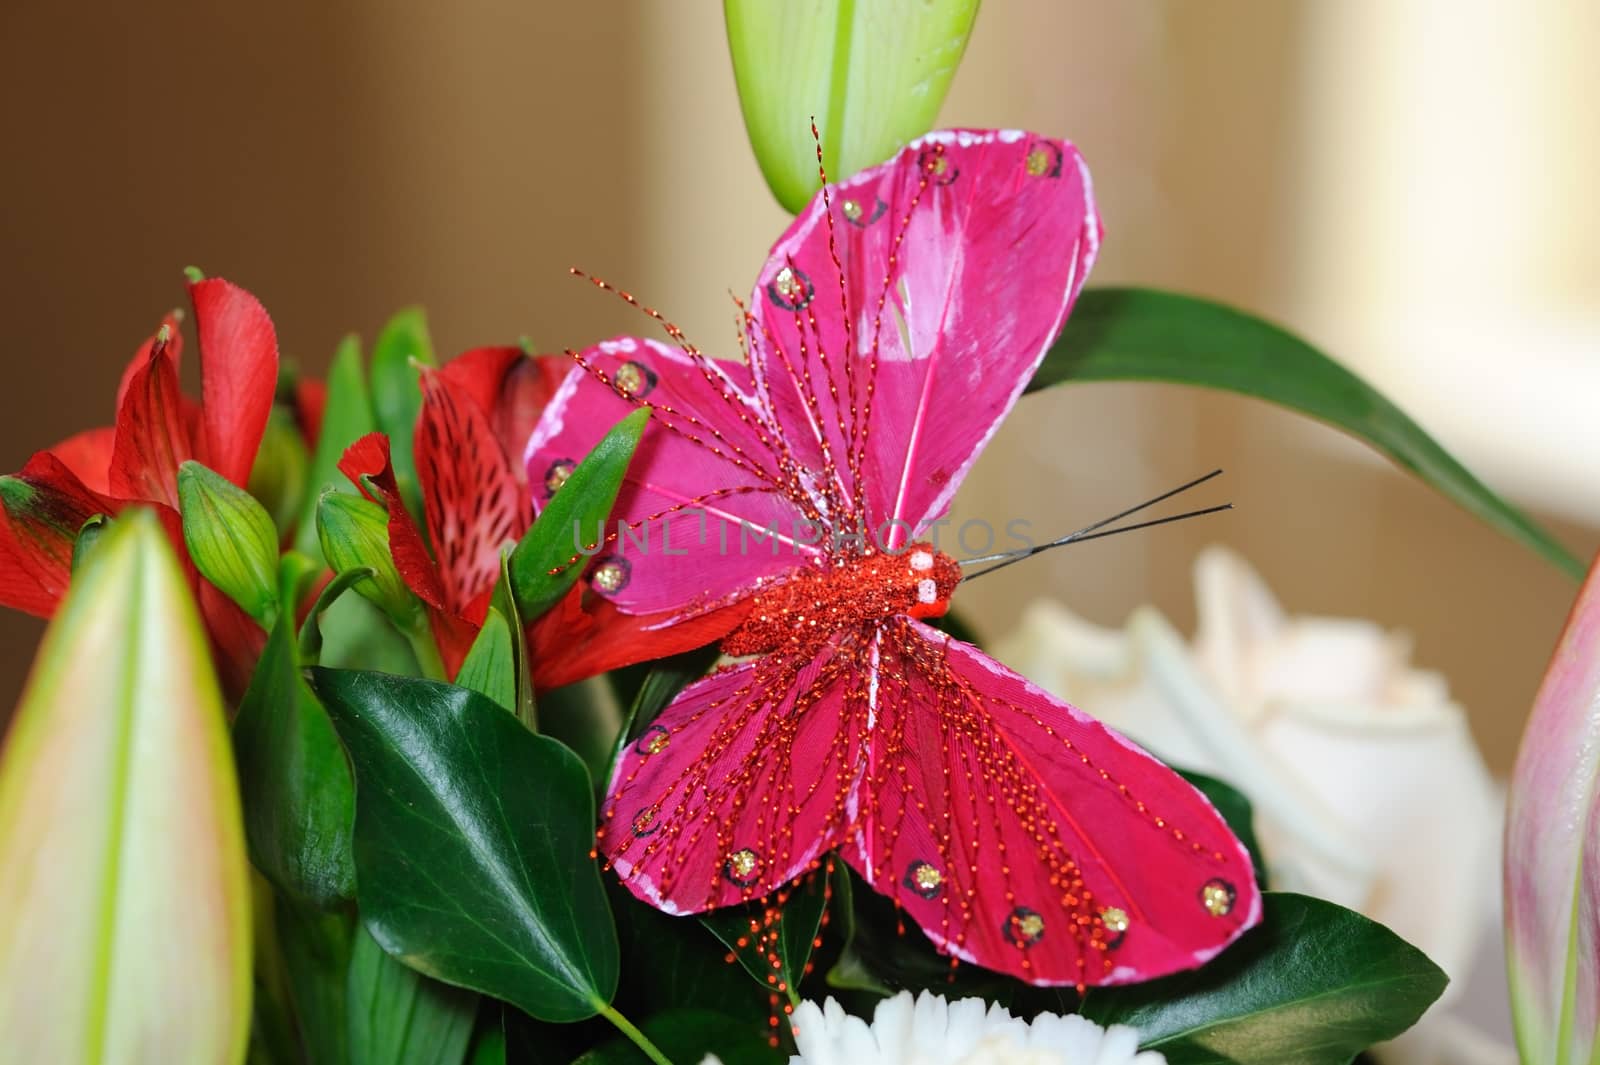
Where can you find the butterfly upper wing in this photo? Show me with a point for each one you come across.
(741, 784)
(1007, 823)
(702, 490)
(985, 239)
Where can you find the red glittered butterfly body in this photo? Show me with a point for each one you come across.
(893, 326)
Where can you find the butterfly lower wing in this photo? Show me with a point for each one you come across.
(1023, 835)
(742, 783)
(957, 262)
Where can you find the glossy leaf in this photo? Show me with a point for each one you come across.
(125, 910)
(1552, 858)
(403, 345)
(346, 418)
(686, 1037)
(504, 600)
(1126, 334)
(490, 666)
(547, 561)
(1313, 984)
(776, 938)
(472, 844)
(299, 798)
(354, 533)
(871, 74)
(400, 1017)
(231, 539)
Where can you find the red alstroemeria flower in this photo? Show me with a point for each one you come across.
(157, 428)
(477, 414)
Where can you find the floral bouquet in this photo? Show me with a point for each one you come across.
(611, 707)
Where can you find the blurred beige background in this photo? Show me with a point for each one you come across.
(1406, 182)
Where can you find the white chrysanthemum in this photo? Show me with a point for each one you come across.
(931, 1031)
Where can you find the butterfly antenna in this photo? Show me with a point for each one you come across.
(1098, 529)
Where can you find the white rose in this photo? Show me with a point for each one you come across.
(1367, 787)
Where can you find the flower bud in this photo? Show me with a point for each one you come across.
(278, 478)
(355, 534)
(124, 889)
(872, 77)
(231, 539)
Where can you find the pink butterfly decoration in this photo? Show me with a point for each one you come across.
(893, 326)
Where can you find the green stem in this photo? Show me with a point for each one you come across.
(427, 651)
(640, 1040)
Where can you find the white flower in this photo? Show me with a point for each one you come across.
(1367, 787)
(928, 1030)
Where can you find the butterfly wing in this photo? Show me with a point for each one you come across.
(896, 322)
(741, 784)
(706, 514)
(1025, 836)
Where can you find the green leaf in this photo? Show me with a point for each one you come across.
(543, 565)
(278, 476)
(346, 418)
(354, 532)
(1127, 334)
(776, 941)
(702, 977)
(490, 1046)
(686, 1037)
(1236, 811)
(231, 539)
(316, 952)
(871, 75)
(490, 665)
(298, 796)
(472, 844)
(402, 347)
(400, 1017)
(504, 600)
(1313, 984)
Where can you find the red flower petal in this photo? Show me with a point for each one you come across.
(584, 635)
(44, 506)
(238, 375)
(174, 341)
(512, 388)
(153, 434)
(473, 503)
(369, 458)
(88, 456)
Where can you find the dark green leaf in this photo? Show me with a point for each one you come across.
(1235, 809)
(490, 1046)
(686, 1037)
(400, 1017)
(298, 796)
(345, 419)
(1126, 334)
(543, 566)
(472, 844)
(776, 939)
(490, 666)
(273, 1037)
(1313, 984)
(585, 718)
(702, 977)
(403, 345)
(316, 951)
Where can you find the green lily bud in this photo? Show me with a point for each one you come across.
(355, 534)
(231, 539)
(871, 73)
(125, 920)
(88, 536)
(278, 478)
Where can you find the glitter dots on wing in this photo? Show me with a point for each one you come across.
(558, 473)
(634, 380)
(858, 215)
(644, 822)
(1116, 922)
(742, 867)
(923, 879)
(1044, 159)
(1218, 897)
(927, 590)
(790, 289)
(938, 167)
(921, 561)
(654, 740)
(1023, 927)
(611, 576)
